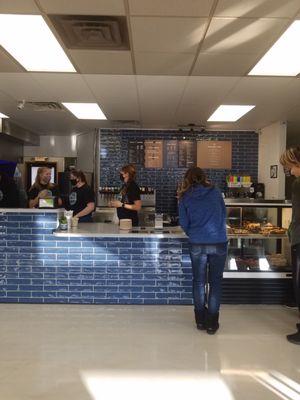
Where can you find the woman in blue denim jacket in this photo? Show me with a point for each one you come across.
(202, 215)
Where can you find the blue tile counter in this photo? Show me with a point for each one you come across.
(99, 264)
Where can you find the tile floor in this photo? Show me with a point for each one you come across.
(59, 352)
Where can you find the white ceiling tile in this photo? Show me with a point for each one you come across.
(242, 35)
(113, 88)
(64, 87)
(8, 64)
(102, 62)
(258, 90)
(21, 86)
(186, 8)
(223, 64)
(167, 35)
(86, 7)
(206, 90)
(163, 63)
(257, 8)
(19, 7)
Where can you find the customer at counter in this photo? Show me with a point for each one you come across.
(290, 160)
(81, 198)
(43, 188)
(130, 203)
(8, 192)
(202, 215)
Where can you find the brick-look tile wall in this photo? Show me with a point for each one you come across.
(114, 154)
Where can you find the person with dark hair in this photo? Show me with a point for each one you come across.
(130, 203)
(8, 192)
(43, 188)
(202, 216)
(81, 198)
(290, 160)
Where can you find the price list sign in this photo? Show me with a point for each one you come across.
(187, 153)
(214, 154)
(136, 152)
(170, 154)
(153, 153)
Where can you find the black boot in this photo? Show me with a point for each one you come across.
(200, 317)
(212, 323)
(294, 338)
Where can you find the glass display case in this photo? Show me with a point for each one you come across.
(258, 238)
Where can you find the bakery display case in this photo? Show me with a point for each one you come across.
(258, 237)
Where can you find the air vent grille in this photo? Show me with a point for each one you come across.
(44, 106)
(87, 32)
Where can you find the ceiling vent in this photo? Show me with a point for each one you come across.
(85, 32)
(43, 106)
(126, 123)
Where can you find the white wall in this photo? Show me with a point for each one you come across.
(53, 146)
(85, 152)
(272, 143)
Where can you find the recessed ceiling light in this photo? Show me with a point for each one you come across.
(85, 110)
(30, 41)
(283, 58)
(3, 115)
(226, 113)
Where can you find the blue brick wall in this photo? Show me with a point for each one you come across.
(37, 267)
(114, 154)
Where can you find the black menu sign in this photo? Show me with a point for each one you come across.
(136, 152)
(153, 154)
(187, 153)
(170, 153)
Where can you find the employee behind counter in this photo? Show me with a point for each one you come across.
(130, 203)
(81, 198)
(43, 188)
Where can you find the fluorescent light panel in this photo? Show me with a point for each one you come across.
(283, 58)
(3, 115)
(30, 41)
(229, 113)
(85, 110)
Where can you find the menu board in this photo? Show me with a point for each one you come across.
(153, 153)
(187, 153)
(136, 152)
(214, 154)
(170, 154)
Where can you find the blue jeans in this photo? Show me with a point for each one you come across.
(208, 262)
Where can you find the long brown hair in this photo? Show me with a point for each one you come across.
(193, 177)
(290, 157)
(77, 173)
(37, 183)
(131, 171)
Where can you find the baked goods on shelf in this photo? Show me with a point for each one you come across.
(249, 228)
(277, 260)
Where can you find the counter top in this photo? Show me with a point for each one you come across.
(258, 203)
(98, 229)
(31, 210)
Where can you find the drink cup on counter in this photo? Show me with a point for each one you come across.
(74, 222)
(69, 215)
(126, 224)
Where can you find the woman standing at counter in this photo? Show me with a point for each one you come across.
(290, 160)
(8, 192)
(81, 198)
(202, 215)
(130, 202)
(43, 188)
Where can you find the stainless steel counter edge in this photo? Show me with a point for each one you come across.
(31, 210)
(98, 229)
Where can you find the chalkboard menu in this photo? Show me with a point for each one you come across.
(170, 154)
(153, 153)
(214, 154)
(187, 153)
(136, 152)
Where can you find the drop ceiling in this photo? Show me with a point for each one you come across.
(185, 59)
